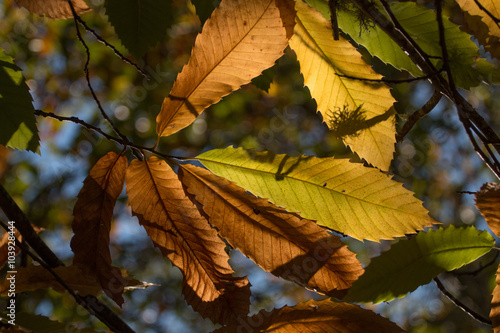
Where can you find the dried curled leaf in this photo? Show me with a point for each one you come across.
(184, 236)
(54, 9)
(488, 203)
(280, 242)
(239, 41)
(315, 316)
(93, 212)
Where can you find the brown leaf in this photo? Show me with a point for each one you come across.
(239, 41)
(54, 9)
(176, 227)
(280, 242)
(315, 316)
(495, 304)
(488, 203)
(4, 245)
(93, 212)
(36, 277)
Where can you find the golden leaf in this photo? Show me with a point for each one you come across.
(324, 64)
(239, 41)
(488, 203)
(93, 212)
(315, 316)
(176, 227)
(495, 304)
(280, 242)
(54, 9)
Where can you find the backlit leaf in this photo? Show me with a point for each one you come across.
(280, 242)
(348, 197)
(36, 277)
(414, 262)
(322, 62)
(93, 212)
(315, 316)
(140, 24)
(488, 203)
(7, 245)
(239, 41)
(54, 9)
(495, 304)
(17, 121)
(491, 28)
(421, 25)
(176, 227)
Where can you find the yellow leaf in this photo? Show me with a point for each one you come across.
(176, 227)
(315, 316)
(36, 277)
(488, 203)
(493, 28)
(323, 61)
(54, 9)
(239, 41)
(93, 212)
(280, 242)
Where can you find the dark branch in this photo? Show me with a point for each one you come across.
(493, 17)
(332, 4)
(384, 80)
(416, 116)
(442, 43)
(461, 305)
(50, 260)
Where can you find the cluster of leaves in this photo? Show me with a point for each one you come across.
(276, 209)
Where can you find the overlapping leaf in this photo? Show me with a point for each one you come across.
(355, 200)
(414, 262)
(140, 24)
(495, 304)
(315, 316)
(421, 24)
(54, 9)
(176, 227)
(323, 61)
(42, 324)
(280, 242)
(239, 41)
(93, 212)
(488, 203)
(17, 120)
(491, 29)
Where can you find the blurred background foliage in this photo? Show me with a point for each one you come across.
(435, 160)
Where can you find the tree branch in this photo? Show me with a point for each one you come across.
(416, 116)
(461, 305)
(50, 260)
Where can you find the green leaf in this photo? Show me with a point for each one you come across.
(348, 197)
(204, 8)
(17, 119)
(421, 24)
(140, 24)
(414, 262)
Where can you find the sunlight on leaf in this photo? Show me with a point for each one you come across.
(488, 203)
(54, 9)
(299, 249)
(322, 62)
(495, 304)
(239, 41)
(93, 212)
(315, 316)
(184, 236)
(348, 197)
(414, 262)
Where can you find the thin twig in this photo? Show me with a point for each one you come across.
(461, 305)
(87, 74)
(493, 17)
(23, 225)
(416, 116)
(384, 80)
(442, 43)
(103, 41)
